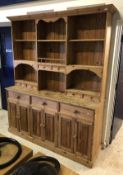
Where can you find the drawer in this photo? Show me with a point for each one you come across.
(75, 110)
(21, 97)
(46, 103)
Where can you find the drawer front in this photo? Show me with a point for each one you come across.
(21, 97)
(46, 103)
(77, 111)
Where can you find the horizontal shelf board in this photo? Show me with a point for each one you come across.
(86, 40)
(24, 60)
(83, 92)
(26, 82)
(24, 40)
(58, 40)
(87, 66)
(51, 60)
(31, 59)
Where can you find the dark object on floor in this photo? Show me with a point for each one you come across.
(43, 165)
(3, 142)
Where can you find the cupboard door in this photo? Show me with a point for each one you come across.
(12, 115)
(65, 127)
(83, 139)
(37, 123)
(24, 118)
(50, 129)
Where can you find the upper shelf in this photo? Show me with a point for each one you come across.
(51, 30)
(24, 30)
(87, 27)
(24, 40)
(87, 40)
(25, 51)
(52, 40)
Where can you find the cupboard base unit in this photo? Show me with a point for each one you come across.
(59, 126)
(61, 62)
(76, 158)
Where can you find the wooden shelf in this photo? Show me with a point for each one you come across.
(25, 72)
(96, 69)
(51, 30)
(26, 84)
(53, 52)
(87, 40)
(91, 93)
(51, 60)
(25, 50)
(24, 40)
(28, 62)
(89, 26)
(24, 30)
(53, 81)
(85, 53)
(25, 81)
(51, 40)
(83, 79)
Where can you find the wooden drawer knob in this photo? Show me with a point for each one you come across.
(18, 97)
(76, 112)
(44, 103)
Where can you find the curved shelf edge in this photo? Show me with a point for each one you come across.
(95, 69)
(48, 20)
(30, 63)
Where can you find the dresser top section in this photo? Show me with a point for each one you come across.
(70, 12)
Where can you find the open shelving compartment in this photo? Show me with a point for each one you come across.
(24, 30)
(25, 51)
(53, 29)
(86, 39)
(86, 53)
(26, 76)
(84, 83)
(51, 81)
(24, 40)
(53, 52)
(89, 27)
(51, 38)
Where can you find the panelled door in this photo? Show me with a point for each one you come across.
(75, 134)
(37, 122)
(43, 124)
(83, 138)
(12, 114)
(50, 126)
(66, 132)
(24, 119)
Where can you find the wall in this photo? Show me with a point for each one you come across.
(9, 2)
(22, 9)
(6, 71)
